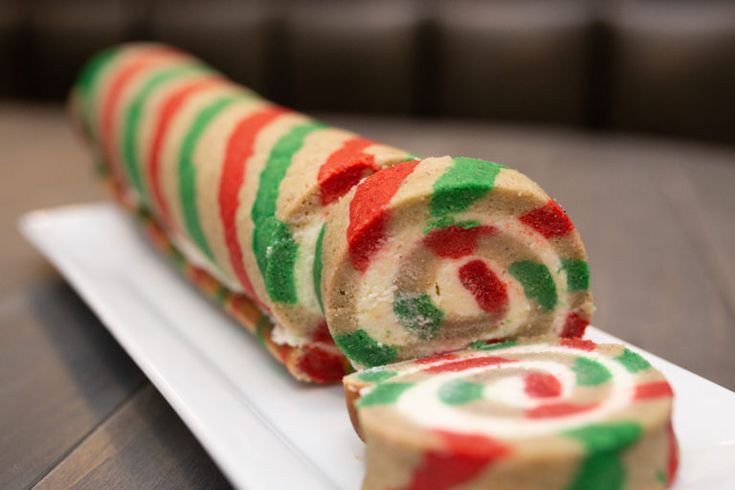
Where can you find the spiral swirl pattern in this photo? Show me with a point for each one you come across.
(429, 256)
(489, 415)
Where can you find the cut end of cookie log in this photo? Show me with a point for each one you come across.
(430, 256)
(544, 413)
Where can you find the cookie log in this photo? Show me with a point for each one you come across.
(260, 206)
(237, 186)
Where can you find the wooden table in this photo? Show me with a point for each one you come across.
(657, 218)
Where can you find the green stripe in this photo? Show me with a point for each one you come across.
(447, 221)
(134, 115)
(88, 76)
(276, 167)
(600, 472)
(220, 295)
(603, 468)
(263, 329)
(590, 372)
(418, 314)
(274, 248)
(466, 181)
(383, 394)
(177, 257)
(598, 438)
(278, 251)
(537, 282)
(632, 361)
(578, 274)
(87, 85)
(187, 170)
(318, 265)
(460, 392)
(363, 349)
(376, 375)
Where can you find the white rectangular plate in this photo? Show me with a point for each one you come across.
(264, 429)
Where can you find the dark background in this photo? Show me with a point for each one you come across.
(658, 66)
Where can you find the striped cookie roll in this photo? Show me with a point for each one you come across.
(421, 257)
(238, 185)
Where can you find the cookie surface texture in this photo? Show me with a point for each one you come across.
(549, 414)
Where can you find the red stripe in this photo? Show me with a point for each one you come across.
(581, 344)
(169, 109)
(454, 241)
(461, 459)
(488, 290)
(469, 363)
(368, 218)
(111, 102)
(344, 168)
(478, 445)
(673, 463)
(541, 385)
(550, 220)
(240, 147)
(321, 365)
(574, 325)
(558, 410)
(656, 389)
(499, 340)
(321, 335)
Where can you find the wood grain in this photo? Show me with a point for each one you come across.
(61, 374)
(143, 445)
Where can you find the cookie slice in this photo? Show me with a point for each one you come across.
(542, 414)
(430, 256)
